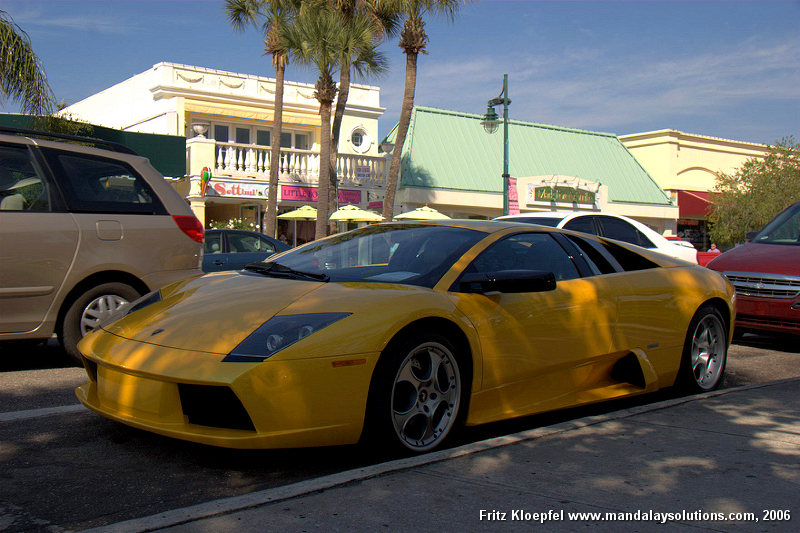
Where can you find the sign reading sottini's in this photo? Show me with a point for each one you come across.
(559, 194)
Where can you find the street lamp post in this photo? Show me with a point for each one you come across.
(490, 123)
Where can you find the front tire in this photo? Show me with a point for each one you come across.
(416, 394)
(705, 352)
(89, 309)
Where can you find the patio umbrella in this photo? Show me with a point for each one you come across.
(305, 212)
(422, 213)
(353, 213)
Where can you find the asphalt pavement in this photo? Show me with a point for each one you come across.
(724, 461)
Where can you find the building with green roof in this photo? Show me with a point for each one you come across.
(451, 164)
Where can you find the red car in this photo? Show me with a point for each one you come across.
(766, 274)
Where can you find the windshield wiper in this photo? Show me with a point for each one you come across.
(271, 268)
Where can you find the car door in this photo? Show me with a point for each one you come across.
(538, 347)
(38, 240)
(214, 256)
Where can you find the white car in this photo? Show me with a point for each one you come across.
(612, 226)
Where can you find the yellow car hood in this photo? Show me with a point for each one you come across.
(212, 313)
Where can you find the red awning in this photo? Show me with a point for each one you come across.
(693, 204)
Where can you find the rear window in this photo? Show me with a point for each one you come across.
(99, 185)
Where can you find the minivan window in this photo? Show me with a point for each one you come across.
(99, 185)
(22, 187)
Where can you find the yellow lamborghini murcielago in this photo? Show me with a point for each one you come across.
(400, 332)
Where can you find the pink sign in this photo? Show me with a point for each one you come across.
(296, 193)
(513, 200)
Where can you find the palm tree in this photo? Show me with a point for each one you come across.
(274, 16)
(413, 41)
(21, 74)
(322, 37)
(385, 21)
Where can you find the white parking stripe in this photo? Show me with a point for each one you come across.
(14, 416)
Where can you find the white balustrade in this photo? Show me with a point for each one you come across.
(246, 160)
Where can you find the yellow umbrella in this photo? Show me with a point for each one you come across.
(305, 212)
(353, 213)
(422, 213)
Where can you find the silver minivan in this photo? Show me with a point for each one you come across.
(85, 227)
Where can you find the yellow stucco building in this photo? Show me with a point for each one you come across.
(685, 165)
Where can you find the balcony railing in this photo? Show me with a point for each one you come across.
(246, 160)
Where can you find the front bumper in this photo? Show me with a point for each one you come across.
(768, 314)
(272, 404)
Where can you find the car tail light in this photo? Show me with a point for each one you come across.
(190, 226)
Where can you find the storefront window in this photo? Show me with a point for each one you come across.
(695, 232)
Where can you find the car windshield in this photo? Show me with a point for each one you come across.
(785, 229)
(410, 254)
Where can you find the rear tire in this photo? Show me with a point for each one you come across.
(416, 394)
(705, 352)
(89, 309)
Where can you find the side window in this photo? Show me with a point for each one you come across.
(22, 187)
(265, 245)
(239, 242)
(526, 251)
(619, 230)
(584, 224)
(627, 259)
(99, 185)
(212, 243)
(597, 261)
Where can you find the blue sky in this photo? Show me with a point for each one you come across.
(726, 69)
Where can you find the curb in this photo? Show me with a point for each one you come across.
(267, 496)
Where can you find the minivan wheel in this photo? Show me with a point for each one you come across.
(89, 309)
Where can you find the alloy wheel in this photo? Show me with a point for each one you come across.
(708, 352)
(425, 396)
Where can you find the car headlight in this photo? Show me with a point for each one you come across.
(278, 333)
(148, 299)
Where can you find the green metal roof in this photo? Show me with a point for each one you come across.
(451, 150)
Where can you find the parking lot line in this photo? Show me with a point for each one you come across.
(15, 416)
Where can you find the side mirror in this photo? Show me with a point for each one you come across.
(508, 281)
(750, 235)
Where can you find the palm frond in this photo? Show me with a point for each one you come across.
(22, 76)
